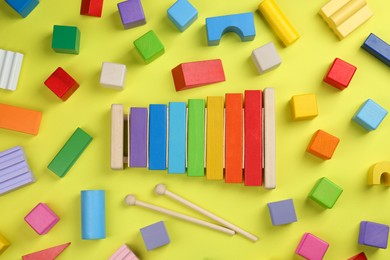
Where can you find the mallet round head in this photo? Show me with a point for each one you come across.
(130, 200)
(160, 189)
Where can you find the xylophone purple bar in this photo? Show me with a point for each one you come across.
(138, 141)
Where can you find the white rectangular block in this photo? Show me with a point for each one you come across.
(10, 66)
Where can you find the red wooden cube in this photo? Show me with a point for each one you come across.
(340, 74)
(62, 84)
(91, 7)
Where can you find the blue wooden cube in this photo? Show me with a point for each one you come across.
(282, 212)
(370, 115)
(23, 7)
(373, 234)
(155, 235)
(182, 14)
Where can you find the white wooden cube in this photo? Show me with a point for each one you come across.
(113, 75)
(10, 66)
(266, 58)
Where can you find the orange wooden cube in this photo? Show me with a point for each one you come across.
(323, 145)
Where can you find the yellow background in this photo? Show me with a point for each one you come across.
(303, 67)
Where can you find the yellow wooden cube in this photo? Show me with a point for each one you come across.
(304, 107)
(3, 244)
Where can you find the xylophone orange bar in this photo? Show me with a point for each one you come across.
(233, 138)
(20, 119)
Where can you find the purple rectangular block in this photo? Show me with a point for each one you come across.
(373, 234)
(16, 182)
(132, 13)
(11, 162)
(138, 136)
(11, 153)
(13, 171)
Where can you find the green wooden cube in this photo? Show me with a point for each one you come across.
(149, 46)
(70, 152)
(325, 193)
(66, 39)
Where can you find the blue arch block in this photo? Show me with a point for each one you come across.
(241, 24)
(23, 7)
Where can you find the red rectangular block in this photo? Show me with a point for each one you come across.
(62, 84)
(91, 7)
(233, 138)
(198, 73)
(253, 156)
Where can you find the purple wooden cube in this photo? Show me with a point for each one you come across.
(282, 212)
(155, 235)
(138, 136)
(132, 13)
(373, 234)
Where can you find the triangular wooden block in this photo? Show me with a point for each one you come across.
(46, 254)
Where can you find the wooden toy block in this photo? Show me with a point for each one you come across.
(196, 137)
(269, 124)
(4, 244)
(379, 171)
(138, 137)
(66, 39)
(20, 119)
(155, 235)
(149, 46)
(340, 74)
(278, 22)
(360, 256)
(70, 152)
(240, 24)
(23, 7)
(117, 137)
(123, 253)
(373, 234)
(266, 58)
(91, 7)
(93, 214)
(157, 137)
(233, 138)
(48, 253)
(304, 107)
(253, 135)
(325, 192)
(177, 137)
(198, 73)
(345, 16)
(377, 48)
(113, 75)
(10, 66)
(370, 115)
(312, 247)
(41, 218)
(182, 14)
(282, 212)
(214, 138)
(323, 145)
(131, 13)
(61, 84)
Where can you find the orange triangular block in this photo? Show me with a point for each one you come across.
(46, 254)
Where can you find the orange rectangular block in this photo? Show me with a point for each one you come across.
(233, 138)
(214, 138)
(253, 161)
(20, 119)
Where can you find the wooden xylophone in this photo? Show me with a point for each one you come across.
(235, 141)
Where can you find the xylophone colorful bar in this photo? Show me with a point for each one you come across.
(235, 141)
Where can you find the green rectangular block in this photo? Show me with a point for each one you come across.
(149, 46)
(70, 152)
(66, 39)
(196, 137)
(325, 193)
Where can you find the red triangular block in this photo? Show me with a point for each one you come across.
(46, 254)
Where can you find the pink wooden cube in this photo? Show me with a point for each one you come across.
(41, 218)
(311, 247)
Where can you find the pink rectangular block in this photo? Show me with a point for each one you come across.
(311, 247)
(123, 253)
(41, 218)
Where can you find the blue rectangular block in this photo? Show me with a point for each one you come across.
(23, 7)
(177, 137)
(378, 48)
(93, 214)
(182, 14)
(155, 235)
(282, 212)
(157, 137)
